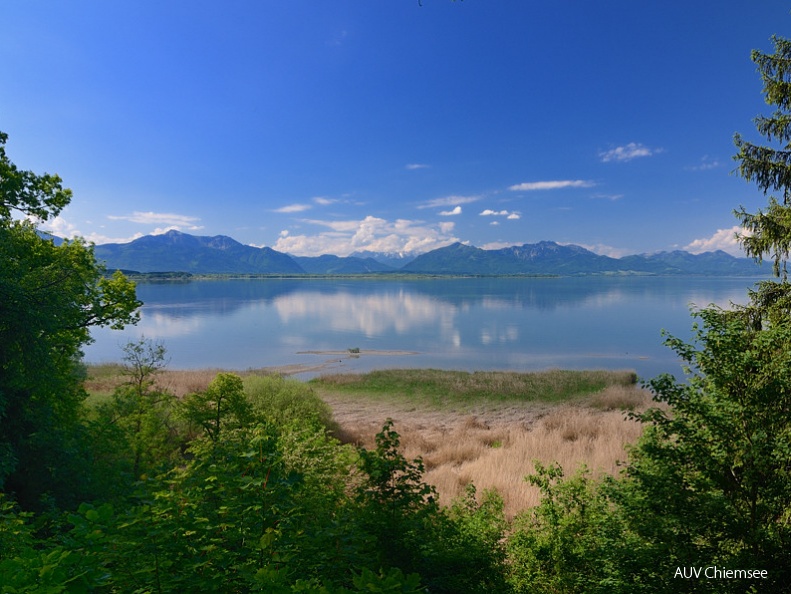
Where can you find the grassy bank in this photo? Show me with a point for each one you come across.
(449, 388)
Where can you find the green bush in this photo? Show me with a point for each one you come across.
(281, 400)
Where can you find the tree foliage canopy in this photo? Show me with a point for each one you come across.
(40, 196)
(50, 297)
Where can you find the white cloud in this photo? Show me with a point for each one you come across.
(451, 213)
(60, 227)
(159, 218)
(722, 239)
(498, 245)
(371, 233)
(603, 249)
(633, 150)
(414, 166)
(293, 208)
(705, 164)
(449, 201)
(551, 185)
(500, 213)
(163, 230)
(323, 201)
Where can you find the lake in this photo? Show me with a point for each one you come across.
(520, 324)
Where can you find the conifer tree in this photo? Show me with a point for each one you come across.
(768, 232)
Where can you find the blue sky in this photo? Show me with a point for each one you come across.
(340, 125)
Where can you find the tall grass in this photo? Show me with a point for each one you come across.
(442, 388)
(489, 428)
(499, 454)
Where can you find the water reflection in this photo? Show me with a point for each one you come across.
(487, 323)
(371, 313)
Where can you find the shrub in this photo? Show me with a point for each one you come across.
(281, 400)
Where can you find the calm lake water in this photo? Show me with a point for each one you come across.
(519, 324)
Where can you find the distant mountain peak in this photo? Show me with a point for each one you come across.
(175, 251)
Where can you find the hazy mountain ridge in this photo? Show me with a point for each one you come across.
(180, 252)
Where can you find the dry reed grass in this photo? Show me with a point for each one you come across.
(493, 444)
(103, 379)
(496, 447)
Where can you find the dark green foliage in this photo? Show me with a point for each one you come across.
(50, 297)
(40, 196)
(140, 414)
(768, 232)
(222, 404)
(576, 540)
(453, 552)
(282, 401)
(719, 463)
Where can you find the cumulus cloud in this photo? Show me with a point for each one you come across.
(551, 185)
(633, 150)
(323, 201)
(58, 226)
(500, 213)
(159, 218)
(449, 201)
(291, 208)
(721, 239)
(451, 213)
(371, 233)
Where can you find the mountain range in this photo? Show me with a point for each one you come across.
(180, 252)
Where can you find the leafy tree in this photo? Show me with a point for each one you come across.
(457, 551)
(141, 410)
(40, 196)
(222, 404)
(282, 400)
(576, 540)
(50, 297)
(710, 481)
